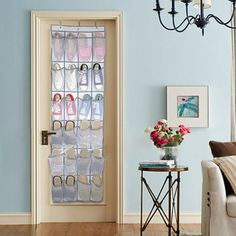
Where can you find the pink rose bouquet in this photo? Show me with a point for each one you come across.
(163, 135)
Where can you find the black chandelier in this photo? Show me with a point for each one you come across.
(200, 20)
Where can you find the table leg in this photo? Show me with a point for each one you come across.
(170, 207)
(141, 213)
(178, 202)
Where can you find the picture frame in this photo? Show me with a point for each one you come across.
(188, 105)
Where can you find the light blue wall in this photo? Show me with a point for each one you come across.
(153, 59)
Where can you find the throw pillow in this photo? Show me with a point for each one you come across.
(222, 149)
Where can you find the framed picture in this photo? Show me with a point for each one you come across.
(188, 105)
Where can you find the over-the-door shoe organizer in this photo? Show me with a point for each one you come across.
(77, 93)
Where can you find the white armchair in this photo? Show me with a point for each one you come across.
(218, 209)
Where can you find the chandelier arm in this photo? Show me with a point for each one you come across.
(162, 24)
(231, 18)
(218, 20)
(177, 28)
(187, 15)
(187, 18)
(190, 20)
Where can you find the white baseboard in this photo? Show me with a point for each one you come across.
(185, 218)
(129, 218)
(15, 219)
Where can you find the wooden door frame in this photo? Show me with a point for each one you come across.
(36, 18)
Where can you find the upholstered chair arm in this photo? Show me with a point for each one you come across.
(213, 194)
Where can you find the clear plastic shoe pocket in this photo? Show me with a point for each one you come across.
(70, 137)
(57, 194)
(84, 138)
(97, 166)
(84, 191)
(56, 165)
(57, 189)
(70, 166)
(96, 193)
(70, 190)
(58, 47)
(84, 166)
(97, 110)
(85, 107)
(97, 138)
(57, 138)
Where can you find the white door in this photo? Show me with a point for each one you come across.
(46, 210)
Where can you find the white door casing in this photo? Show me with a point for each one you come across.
(38, 17)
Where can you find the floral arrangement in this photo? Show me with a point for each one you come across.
(163, 135)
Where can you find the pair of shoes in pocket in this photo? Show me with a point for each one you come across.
(66, 192)
(63, 162)
(90, 162)
(67, 46)
(85, 45)
(88, 107)
(70, 77)
(90, 136)
(90, 190)
(57, 103)
(66, 136)
(97, 75)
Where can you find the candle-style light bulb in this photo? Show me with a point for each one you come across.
(206, 3)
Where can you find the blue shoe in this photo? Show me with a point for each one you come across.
(97, 109)
(85, 107)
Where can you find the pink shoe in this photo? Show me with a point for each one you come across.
(71, 46)
(84, 49)
(56, 104)
(98, 46)
(70, 105)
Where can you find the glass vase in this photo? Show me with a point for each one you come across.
(169, 153)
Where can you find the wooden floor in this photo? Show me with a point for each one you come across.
(90, 229)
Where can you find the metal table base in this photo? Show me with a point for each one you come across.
(172, 194)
